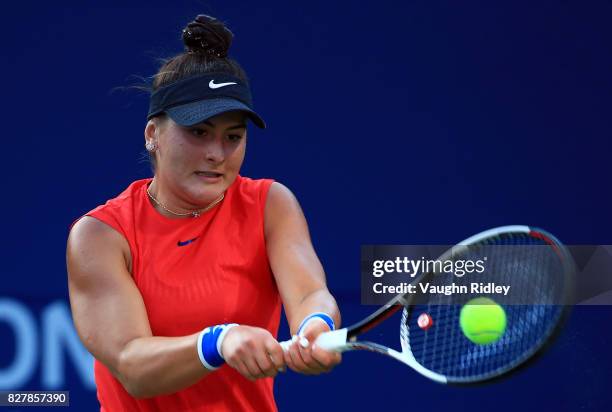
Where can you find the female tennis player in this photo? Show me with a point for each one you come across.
(176, 284)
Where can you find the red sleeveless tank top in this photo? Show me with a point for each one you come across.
(193, 273)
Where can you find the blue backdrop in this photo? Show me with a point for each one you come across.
(392, 122)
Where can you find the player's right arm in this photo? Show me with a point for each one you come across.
(111, 320)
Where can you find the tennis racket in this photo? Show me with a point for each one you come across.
(443, 353)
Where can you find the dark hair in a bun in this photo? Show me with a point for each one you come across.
(207, 35)
(207, 42)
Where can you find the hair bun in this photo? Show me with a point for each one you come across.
(207, 35)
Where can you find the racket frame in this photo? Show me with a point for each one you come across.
(345, 339)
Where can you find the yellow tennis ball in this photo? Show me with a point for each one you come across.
(482, 321)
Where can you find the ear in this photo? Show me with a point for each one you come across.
(151, 130)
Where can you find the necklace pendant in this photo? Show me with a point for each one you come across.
(195, 213)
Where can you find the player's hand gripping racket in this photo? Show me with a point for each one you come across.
(443, 353)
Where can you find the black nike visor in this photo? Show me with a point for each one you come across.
(195, 99)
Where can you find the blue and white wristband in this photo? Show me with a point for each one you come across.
(209, 345)
(317, 316)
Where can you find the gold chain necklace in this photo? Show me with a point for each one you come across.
(193, 213)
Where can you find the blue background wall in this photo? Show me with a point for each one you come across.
(393, 122)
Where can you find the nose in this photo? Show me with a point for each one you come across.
(214, 150)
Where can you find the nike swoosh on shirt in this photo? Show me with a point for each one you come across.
(186, 242)
(214, 85)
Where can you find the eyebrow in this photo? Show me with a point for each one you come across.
(238, 126)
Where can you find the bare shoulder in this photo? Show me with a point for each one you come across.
(282, 211)
(89, 227)
(91, 240)
(280, 198)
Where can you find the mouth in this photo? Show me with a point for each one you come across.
(209, 175)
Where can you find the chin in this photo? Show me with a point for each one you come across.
(207, 193)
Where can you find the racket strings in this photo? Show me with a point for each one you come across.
(533, 273)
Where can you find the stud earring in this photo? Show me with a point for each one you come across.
(150, 146)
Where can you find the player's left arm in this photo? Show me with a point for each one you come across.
(300, 279)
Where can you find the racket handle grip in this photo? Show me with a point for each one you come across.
(332, 341)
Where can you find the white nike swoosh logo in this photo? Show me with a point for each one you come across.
(214, 85)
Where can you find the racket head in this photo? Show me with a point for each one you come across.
(443, 349)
